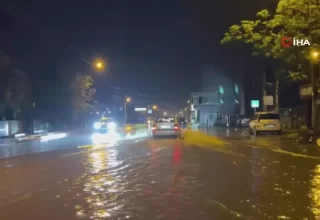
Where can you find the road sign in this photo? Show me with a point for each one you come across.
(268, 100)
(255, 103)
(140, 109)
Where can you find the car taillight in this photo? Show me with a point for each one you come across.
(154, 127)
(176, 127)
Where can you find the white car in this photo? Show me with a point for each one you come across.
(166, 126)
(265, 122)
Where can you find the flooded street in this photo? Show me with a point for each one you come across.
(267, 177)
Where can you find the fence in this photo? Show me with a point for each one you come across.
(40, 127)
(293, 118)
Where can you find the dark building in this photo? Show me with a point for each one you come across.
(219, 97)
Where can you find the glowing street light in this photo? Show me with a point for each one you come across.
(154, 107)
(315, 54)
(99, 65)
(128, 99)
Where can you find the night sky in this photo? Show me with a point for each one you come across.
(153, 47)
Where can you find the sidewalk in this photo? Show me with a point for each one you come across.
(217, 130)
(24, 137)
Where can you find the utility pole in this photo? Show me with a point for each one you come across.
(125, 112)
(313, 82)
(264, 107)
(314, 97)
(276, 102)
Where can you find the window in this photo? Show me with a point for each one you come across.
(236, 88)
(269, 116)
(194, 100)
(221, 90)
(165, 120)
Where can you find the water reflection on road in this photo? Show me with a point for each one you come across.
(165, 179)
(315, 192)
(171, 181)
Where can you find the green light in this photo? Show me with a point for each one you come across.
(236, 88)
(221, 90)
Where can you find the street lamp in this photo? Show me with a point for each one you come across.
(127, 100)
(97, 64)
(154, 107)
(314, 54)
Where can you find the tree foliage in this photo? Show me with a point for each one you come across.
(82, 92)
(15, 88)
(294, 18)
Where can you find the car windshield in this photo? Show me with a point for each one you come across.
(165, 120)
(269, 116)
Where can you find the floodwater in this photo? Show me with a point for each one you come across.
(243, 178)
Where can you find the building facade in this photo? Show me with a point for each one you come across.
(216, 105)
(205, 107)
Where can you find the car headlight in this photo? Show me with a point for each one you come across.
(112, 126)
(97, 125)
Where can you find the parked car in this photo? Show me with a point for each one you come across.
(265, 122)
(243, 121)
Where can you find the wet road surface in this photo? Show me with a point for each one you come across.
(265, 177)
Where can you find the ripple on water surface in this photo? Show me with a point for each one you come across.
(176, 182)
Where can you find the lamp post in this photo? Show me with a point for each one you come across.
(314, 58)
(189, 111)
(127, 100)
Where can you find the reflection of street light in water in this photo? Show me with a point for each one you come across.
(315, 192)
(100, 188)
(97, 160)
